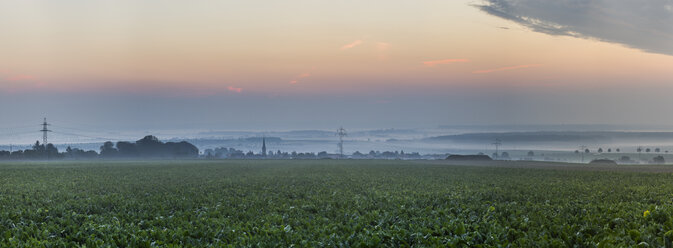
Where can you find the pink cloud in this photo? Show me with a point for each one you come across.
(506, 68)
(304, 75)
(382, 46)
(351, 45)
(20, 78)
(234, 89)
(382, 49)
(300, 76)
(444, 61)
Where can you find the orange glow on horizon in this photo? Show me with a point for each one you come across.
(215, 48)
(507, 68)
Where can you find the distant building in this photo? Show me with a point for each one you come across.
(264, 146)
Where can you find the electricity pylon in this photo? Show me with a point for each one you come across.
(341, 132)
(44, 131)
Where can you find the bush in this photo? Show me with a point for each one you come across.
(603, 161)
(658, 160)
(625, 159)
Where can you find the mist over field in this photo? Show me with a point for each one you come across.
(323, 123)
(557, 141)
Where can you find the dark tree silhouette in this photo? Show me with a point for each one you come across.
(51, 151)
(505, 155)
(181, 150)
(107, 150)
(151, 147)
(127, 149)
(659, 160)
(625, 159)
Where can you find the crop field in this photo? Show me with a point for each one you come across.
(332, 203)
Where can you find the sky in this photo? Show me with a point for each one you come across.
(321, 64)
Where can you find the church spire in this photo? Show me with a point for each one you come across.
(263, 146)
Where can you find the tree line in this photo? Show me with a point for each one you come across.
(232, 153)
(147, 147)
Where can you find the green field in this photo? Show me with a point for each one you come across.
(333, 204)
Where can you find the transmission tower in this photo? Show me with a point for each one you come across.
(582, 149)
(341, 132)
(44, 131)
(497, 144)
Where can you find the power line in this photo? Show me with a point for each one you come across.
(16, 133)
(75, 129)
(17, 127)
(81, 135)
(7, 132)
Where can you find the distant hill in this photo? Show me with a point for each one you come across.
(468, 158)
(603, 161)
(532, 137)
(284, 134)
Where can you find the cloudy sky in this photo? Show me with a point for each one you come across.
(321, 64)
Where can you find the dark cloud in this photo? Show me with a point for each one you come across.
(645, 25)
